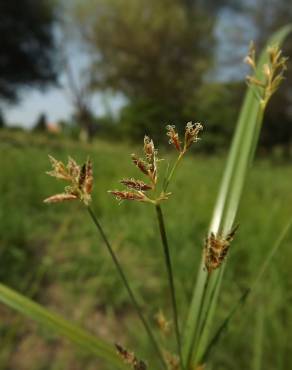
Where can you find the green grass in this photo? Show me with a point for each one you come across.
(48, 252)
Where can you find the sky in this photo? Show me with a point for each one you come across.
(55, 103)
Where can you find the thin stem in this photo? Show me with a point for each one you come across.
(127, 286)
(167, 181)
(170, 278)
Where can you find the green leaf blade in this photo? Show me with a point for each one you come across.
(60, 326)
(228, 200)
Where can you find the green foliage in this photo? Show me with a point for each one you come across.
(139, 47)
(217, 104)
(68, 275)
(27, 47)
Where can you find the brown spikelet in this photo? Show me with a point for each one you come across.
(173, 137)
(142, 165)
(149, 149)
(127, 195)
(73, 168)
(272, 73)
(250, 58)
(82, 176)
(216, 249)
(130, 358)
(192, 133)
(58, 198)
(172, 361)
(59, 170)
(136, 184)
(80, 179)
(88, 185)
(162, 323)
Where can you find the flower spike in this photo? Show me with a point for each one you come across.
(272, 73)
(80, 179)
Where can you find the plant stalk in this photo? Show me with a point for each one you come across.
(167, 181)
(128, 288)
(170, 278)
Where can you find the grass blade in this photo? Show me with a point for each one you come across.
(240, 156)
(60, 326)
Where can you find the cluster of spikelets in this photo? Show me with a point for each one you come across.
(148, 165)
(136, 189)
(130, 358)
(216, 249)
(80, 179)
(191, 136)
(272, 72)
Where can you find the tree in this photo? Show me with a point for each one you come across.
(27, 49)
(2, 120)
(156, 52)
(41, 123)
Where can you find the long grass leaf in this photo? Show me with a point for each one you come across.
(60, 326)
(240, 156)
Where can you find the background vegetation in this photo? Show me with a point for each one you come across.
(49, 253)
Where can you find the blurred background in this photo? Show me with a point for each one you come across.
(91, 77)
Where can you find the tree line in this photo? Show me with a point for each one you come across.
(160, 55)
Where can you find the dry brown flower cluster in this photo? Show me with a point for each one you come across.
(268, 81)
(80, 179)
(130, 358)
(216, 249)
(191, 136)
(148, 165)
(162, 323)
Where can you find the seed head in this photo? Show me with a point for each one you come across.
(216, 249)
(58, 198)
(173, 137)
(59, 170)
(80, 179)
(130, 358)
(148, 166)
(149, 149)
(192, 133)
(250, 58)
(151, 159)
(162, 323)
(127, 195)
(141, 164)
(272, 73)
(136, 184)
(172, 361)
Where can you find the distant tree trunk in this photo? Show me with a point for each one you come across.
(86, 123)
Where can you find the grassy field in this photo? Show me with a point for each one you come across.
(53, 254)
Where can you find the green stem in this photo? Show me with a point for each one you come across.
(167, 181)
(170, 278)
(258, 338)
(127, 286)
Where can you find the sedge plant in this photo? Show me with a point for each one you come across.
(195, 341)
